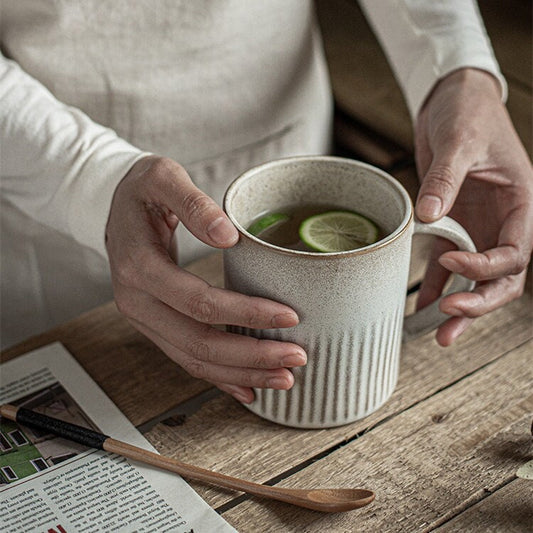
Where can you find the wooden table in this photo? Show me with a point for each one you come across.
(441, 455)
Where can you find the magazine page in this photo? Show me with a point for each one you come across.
(50, 484)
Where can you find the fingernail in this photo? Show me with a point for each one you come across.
(284, 320)
(294, 359)
(451, 264)
(277, 383)
(222, 231)
(429, 206)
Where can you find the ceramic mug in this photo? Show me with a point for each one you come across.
(350, 304)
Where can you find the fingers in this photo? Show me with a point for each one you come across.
(241, 394)
(491, 264)
(245, 377)
(157, 275)
(210, 345)
(510, 257)
(465, 306)
(436, 275)
(210, 354)
(485, 298)
(452, 329)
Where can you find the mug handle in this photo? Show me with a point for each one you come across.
(430, 317)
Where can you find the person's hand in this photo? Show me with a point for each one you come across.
(474, 168)
(176, 309)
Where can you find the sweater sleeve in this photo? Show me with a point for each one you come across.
(424, 41)
(56, 165)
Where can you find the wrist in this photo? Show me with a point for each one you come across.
(475, 79)
(468, 81)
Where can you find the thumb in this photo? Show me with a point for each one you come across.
(441, 183)
(169, 185)
(202, 216)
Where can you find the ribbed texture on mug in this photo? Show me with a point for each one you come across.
(346, 378)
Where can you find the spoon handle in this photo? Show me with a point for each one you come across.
(326, 500)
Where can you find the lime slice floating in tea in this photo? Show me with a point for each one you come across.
(338, 231)
(266, 222)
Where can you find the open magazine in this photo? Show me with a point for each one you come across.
(53, 485)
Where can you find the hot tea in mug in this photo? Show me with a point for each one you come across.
(316, 228)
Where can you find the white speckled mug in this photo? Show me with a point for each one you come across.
(350, 304)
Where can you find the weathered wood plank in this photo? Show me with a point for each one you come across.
(509, 509)
(411, 461)
(225, 436)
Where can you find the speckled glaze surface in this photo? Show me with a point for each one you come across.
(350, 304)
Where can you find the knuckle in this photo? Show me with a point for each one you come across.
(166, 174)
(442, 178)
(522, 262)
(197, 369)
(127, 273)
(201, 350)
(201, 307)
(125, 307)
(474, 312)
(515, 286)
(259, 360)
(195, 204)
(134, 268)
(252, 317)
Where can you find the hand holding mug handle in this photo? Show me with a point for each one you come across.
(431, 317)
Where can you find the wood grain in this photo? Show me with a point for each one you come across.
(225, 436)
(419, 484)
(509, 509)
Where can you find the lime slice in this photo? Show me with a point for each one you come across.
(338, 231)
(267, 221)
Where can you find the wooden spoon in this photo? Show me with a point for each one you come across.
(325, 500)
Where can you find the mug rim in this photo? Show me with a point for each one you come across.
(391, 237)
